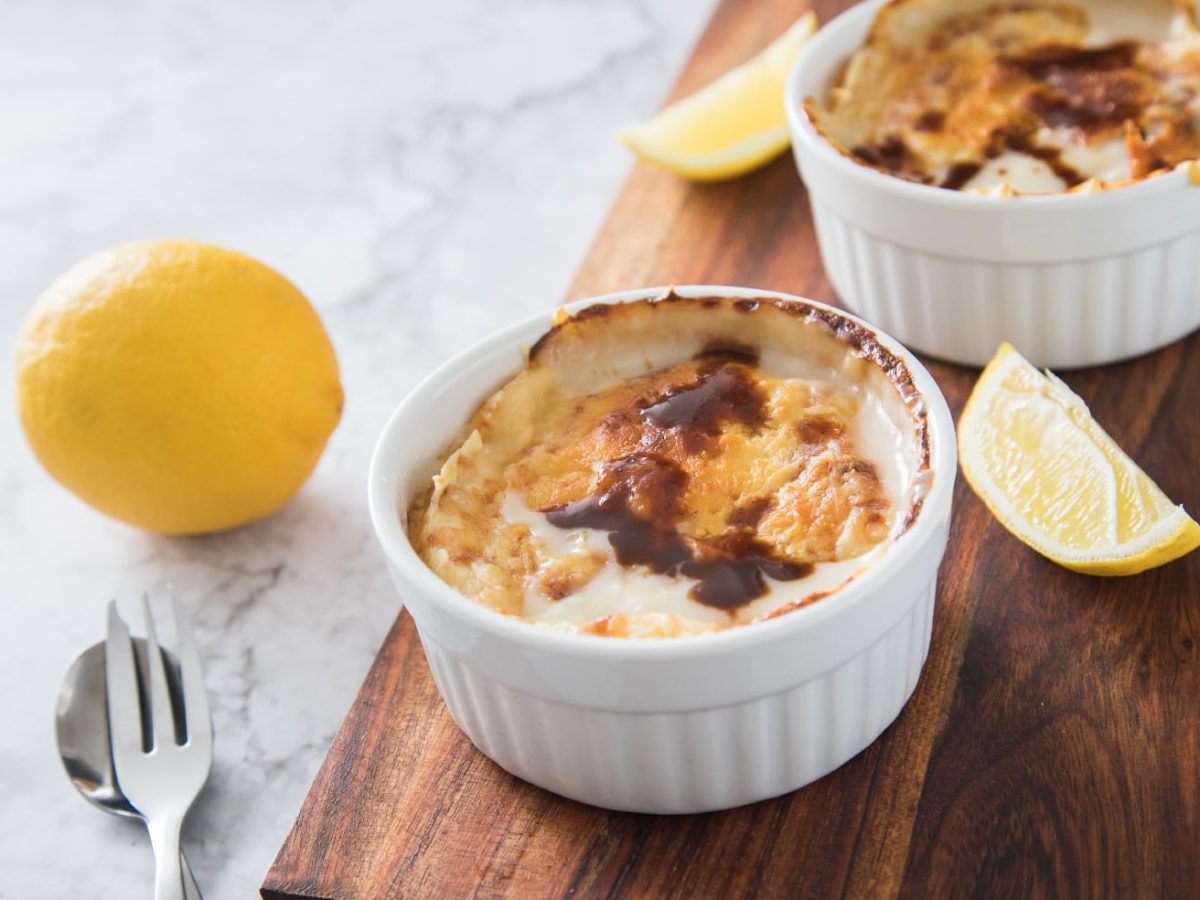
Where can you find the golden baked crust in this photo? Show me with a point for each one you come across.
(941, 88)
(710, 467)
(776, 458)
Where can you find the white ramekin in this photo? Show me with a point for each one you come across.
(669, 725)
(1070, 280)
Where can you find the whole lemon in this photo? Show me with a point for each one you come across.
(179, 387)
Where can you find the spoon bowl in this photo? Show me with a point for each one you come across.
(81, 723)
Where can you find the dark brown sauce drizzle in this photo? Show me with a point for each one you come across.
(723, 393)
(638, 502)
(638, 510)
(750, 514)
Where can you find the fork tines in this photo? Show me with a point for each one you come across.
(137, 693)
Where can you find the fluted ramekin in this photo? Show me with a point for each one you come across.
(670, 725)
(1071, 280)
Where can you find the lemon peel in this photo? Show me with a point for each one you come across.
(1057, 481)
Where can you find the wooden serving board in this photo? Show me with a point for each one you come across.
(1052, 746)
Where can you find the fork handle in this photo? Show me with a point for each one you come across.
(191, 890)
(168, 870)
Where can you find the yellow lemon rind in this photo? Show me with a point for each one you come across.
(743, 157)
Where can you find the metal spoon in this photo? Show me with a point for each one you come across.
(81, 719)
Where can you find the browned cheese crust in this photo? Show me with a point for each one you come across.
(711, 461)
(942, 87)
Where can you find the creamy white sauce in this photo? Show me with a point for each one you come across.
(1107, 160)
(1110, 21)
(1020, 172)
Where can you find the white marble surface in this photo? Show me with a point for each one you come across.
(425, 172)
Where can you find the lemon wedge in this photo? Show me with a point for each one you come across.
(733, 125)
(1055, 479)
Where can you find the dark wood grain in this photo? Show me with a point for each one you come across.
(1052, 747)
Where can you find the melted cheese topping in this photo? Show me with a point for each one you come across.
(1033, 97)
(704, 493)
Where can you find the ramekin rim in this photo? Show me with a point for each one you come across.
(385, 518)
(801, 127)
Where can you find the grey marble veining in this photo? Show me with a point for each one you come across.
(425, 172)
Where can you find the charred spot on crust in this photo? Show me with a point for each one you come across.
(931, 120)
(959, 174)
(818, 430)
(857, 467)
(730, 350)
(891, 153)
(1049, 61)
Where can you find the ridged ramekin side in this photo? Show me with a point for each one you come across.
(698, 760)
(1067, 314)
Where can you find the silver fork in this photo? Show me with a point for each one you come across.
(159, 776)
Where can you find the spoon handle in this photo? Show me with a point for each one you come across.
(191, 890)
